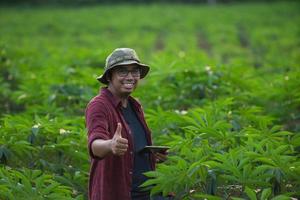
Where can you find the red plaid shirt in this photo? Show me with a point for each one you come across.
(110, 177)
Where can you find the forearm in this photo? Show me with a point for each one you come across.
(101, 148)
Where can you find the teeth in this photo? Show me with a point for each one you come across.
(128, 84)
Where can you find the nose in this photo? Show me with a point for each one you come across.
(129, 75)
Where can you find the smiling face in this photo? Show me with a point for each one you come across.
(124, 80)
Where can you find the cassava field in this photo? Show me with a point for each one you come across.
(223, 93)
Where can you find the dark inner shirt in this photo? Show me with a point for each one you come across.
(141, 160)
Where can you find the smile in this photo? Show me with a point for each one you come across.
(129, 85)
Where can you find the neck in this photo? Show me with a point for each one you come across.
(124, 102)
(123, 98)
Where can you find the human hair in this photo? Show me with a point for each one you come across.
(108, 75)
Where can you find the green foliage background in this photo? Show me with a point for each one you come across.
(223, 92)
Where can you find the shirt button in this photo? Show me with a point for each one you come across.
(131, 152)
(130, 172)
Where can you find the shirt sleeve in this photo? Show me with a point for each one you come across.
(96, 124)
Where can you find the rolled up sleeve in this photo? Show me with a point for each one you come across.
(96, 124)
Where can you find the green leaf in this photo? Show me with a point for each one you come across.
(251, 194)
(206, 196)
(25, 181)
(155, 190)
(150, 182)
(266, 193)
(261, 169)
(50, 188)
(237, 198)
(266, 161)
(281, 197)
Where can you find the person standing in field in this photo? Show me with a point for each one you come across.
(117, 131)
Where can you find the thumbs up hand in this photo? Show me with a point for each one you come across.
(119, 145)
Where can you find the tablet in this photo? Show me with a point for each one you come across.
(155, 149)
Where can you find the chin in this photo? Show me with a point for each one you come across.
(127, 92)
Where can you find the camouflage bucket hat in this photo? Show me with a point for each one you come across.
(119, 57)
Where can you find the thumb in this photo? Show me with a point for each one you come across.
(119, 130)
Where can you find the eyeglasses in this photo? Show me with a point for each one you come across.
(123, 72)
